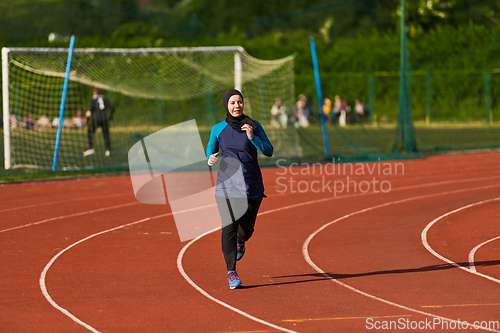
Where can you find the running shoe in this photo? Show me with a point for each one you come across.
(234, 280)
(88, 152)
(240, 251)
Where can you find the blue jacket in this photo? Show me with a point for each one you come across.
(239, 153)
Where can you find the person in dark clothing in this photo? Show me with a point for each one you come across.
(100, 112)
(239, 180)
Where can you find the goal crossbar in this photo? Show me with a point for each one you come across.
(210, 49)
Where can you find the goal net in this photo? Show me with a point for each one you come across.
(150, 89)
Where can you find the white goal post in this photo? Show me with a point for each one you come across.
(31, 79)
(6, 111)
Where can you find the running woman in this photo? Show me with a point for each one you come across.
(239, 138)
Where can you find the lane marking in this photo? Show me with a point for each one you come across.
(43, 287)
(458, 305)
(431, 250)
(210, 297)
(296, 205)
(343, 318)
(179, 259)
(245, 332)
(70, 215)
(61, 201)
(124, 194)
(308, 259)
(349, 196)
(270, 186)
(179, 262)
(204, 293)
(472, 253)
(446, 182)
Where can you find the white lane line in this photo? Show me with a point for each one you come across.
(446, 182)
(43, 275)
(357, 178)
(431, 250)
(404, 188)
(179, 265)
(343, 318)
(68, 216)
(204, 293)
(472, 253)
(74, 318)
(301, 204)
(62, 201)
(210, 297)
(394, 179)
(43, 287)
(308, 259)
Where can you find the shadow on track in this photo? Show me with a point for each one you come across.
(338, 276)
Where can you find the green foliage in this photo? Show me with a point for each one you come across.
(455, 41)
(133, 29)
(26, 20)
(354, 36)
(345, 61)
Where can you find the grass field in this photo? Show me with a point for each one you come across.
(368, 141)
(32, 151)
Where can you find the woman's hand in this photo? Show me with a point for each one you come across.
(249, 129)
(213, 159)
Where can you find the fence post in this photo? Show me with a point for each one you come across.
(487, 83)
(320, 94)
(371, 95)
(429, 97)
(63, 101)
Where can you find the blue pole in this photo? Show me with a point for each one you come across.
(63, 101)
(320, 94)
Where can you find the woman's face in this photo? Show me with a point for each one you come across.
(235, 105)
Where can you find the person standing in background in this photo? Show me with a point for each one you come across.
(100, 112)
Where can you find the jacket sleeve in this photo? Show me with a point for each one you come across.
(261, 142)
(213, 143)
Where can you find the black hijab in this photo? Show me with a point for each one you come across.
(236, 122)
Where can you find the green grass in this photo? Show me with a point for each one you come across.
(352, 142)
(370, 142)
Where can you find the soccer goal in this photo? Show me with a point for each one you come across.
(151, 88)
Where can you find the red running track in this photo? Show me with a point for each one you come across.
(83, 255)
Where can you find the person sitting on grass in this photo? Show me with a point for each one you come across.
(361, 111)
(43, 122)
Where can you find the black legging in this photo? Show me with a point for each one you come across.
(238, 231)
(92, 127)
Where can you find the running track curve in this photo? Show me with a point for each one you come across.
(127, 279)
